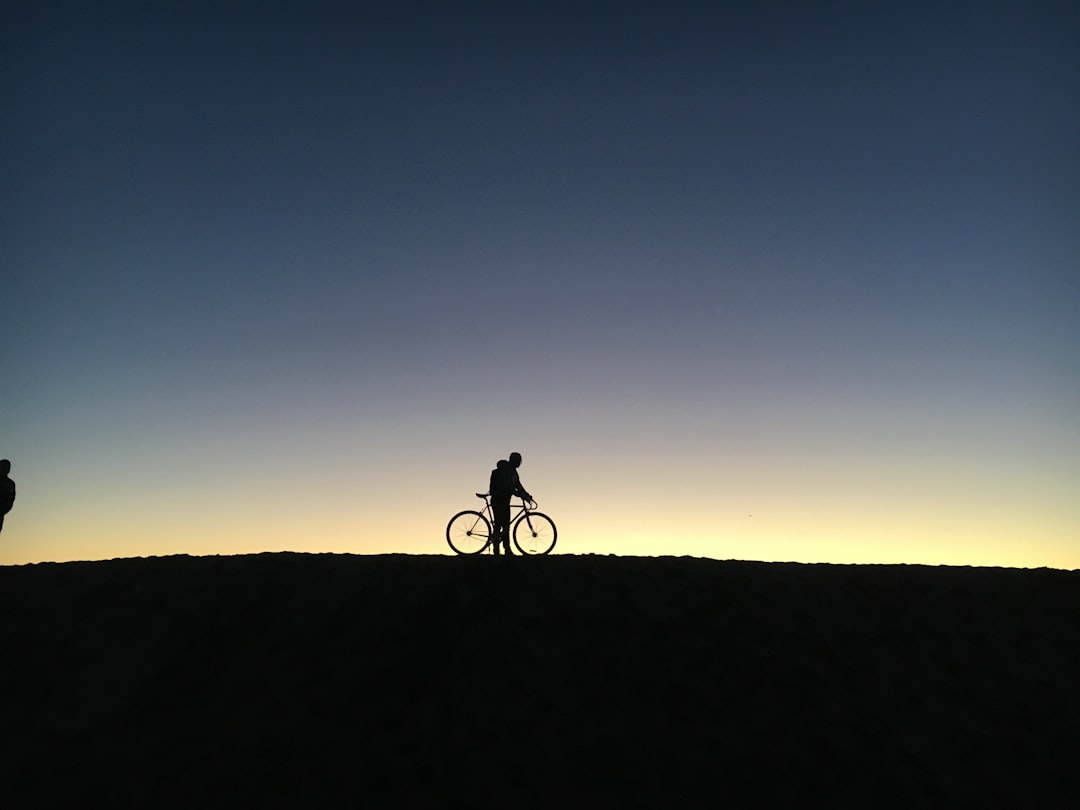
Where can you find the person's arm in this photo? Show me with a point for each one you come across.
(520, 490)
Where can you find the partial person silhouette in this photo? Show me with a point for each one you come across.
(504, 484)
(7, 490)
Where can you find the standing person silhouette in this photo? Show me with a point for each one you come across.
(7, 490)
(504, 484)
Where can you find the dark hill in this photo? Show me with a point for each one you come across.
(291, 680)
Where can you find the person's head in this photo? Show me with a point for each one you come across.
(5, 466)
(515, 460)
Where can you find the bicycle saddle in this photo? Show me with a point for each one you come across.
(481, 494)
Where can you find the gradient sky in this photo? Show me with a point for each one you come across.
(773, 281)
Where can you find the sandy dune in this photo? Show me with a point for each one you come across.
(291, 680)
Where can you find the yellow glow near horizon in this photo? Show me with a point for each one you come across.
(684, 489)
(996, 537)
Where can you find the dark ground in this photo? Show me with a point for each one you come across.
(292, 680)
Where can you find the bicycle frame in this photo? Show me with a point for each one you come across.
(523, 509)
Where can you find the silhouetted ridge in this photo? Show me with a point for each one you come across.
(293, 680)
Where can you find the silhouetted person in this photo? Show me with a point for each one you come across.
(504, 484)
(7, 490)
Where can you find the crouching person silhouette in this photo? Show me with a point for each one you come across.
(7, 491)
(504, 484)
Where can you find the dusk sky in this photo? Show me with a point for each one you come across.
(764, 280)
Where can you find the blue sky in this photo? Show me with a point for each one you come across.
(296, 275)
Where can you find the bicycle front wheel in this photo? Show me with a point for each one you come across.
(468, 532)
(534, 533)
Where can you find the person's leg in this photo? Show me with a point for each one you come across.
(505, 538)
(501, 513)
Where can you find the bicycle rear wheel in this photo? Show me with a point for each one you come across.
(468, 532)
(534, 533)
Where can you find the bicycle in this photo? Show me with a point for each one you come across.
(469, 532)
